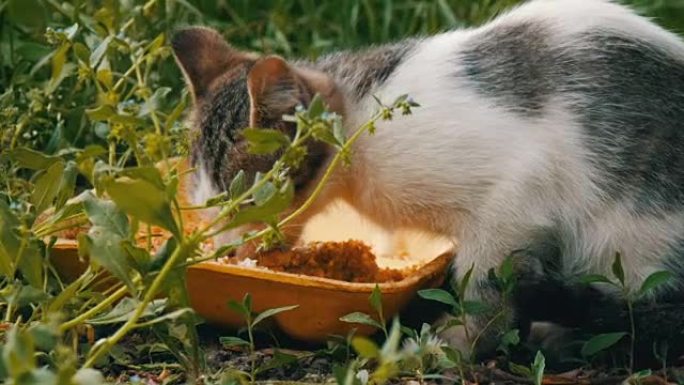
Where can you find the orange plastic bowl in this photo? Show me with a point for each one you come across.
(322, 301)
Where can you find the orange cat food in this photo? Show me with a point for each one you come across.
(351, 261)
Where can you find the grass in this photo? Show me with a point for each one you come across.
(90, 99)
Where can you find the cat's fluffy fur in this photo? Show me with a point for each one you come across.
(554, 132)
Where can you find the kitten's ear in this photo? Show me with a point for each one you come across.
(203, 55)
(275, 88)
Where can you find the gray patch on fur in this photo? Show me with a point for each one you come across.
(511, 65)
(633, 113)
(628, 95)
(362, 71)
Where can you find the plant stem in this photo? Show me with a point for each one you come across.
(112, 152)
(487, 326)
(252, 349)
(181, 250)
(45, 231)
(117, 295)
(632, 335)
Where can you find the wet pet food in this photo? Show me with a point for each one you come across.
(351, 261)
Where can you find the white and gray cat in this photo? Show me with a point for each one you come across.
(554, 132)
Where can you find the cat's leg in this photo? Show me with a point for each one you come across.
(484, 248)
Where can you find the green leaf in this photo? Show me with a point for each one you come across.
(654, 280)
(157, 43)
(618, 272)
(17, 252)
(82, 52)
(438, 295)
(127, 120)
(44, 335)
(105, 214)
(510, 338)
(169, 317)
(28, 295)
(68, 294)
(271, 312)
(475, 307)
(29, 13)
(152, 104)
(375, 300)
(177, 112)
(601, 342)
(263, 141)
(67, 184)
(233, 341)
(99, 52)
(9, 241)
(338, 131)
(141, 260)
(642, 374)
(104, 76)
(520, 370)
(247, 302)
(72, 207)
(30, 264)
(279, 360)
(238, 185)
(538, 367)
(274, 205)
(34, 160)
(344, 375)
(244, 308)
(149, 174)
(400, 99)
(391, 346)
(465, 281)
(144, 200)
(18, 352)
(175, 287)
(264, 193)
(32, 51)
(58, 65)
(101, 112)
(595, 278)
(47, 186)
(316, 107)
(506, 269)
(322, 131)
(361, 318)
(125, 308)
(104, 241)
(453, 355)
(365, 347)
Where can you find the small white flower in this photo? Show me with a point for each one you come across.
(411, 346)
(363, 375)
